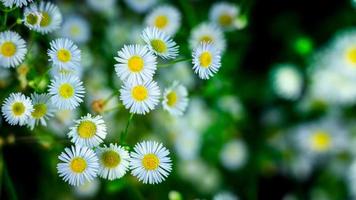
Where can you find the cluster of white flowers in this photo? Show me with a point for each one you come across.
(332, 72)
(149, 161)
(136, 68)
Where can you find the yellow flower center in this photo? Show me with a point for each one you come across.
(150, 161)
(351, 55)
(78, 165)
(86, 129)
(66, 90)
(206, 39)
(32, 19)
(39, 110)
(225, 20)
(172, 98)
(45, 20)
(139, 93)
(8, 49)
(159, 46)
(205, 59)
(110, 159)
(321, 141)
(74, 30)
(64, 55)
(161, 21)
(18, 108)
(135, 64)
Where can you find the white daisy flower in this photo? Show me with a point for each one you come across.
(88, 131)
(140, 6)
(150, 162)
(140, 98)
(64, 54)
(32, 19)
(12, 49)
(165, 18)
(114, 161)
(224, 14)
(136, 63)
(42, 109)
(51, 18)
(78, 165)
(206, 60)
(67, 92)
(175, 99)
(17, 109)
(287, 81)
(16, 3)
(159, 43)
(207, 33)
(76, 28)
(321, 138)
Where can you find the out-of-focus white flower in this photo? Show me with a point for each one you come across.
(140, 6)
(234, 154)
(76, 28)
(165, 18)
(287, 81)
(207, 33)
(225, 15)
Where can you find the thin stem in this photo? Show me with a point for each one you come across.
(174, 62)
(109, 98)
(12, 25)
(124, 133)
(5, 20)
(8, 182)
(189, 12)
(112, 109)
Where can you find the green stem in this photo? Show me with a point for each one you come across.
(5, 20)
(189, 12)
(111, 109)
(124, 133)
(110, 97)
(8, 183)
(12, 25)
(173, 62)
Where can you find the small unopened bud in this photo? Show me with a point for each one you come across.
(10, 139)
(174, 195)
(98, 105)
